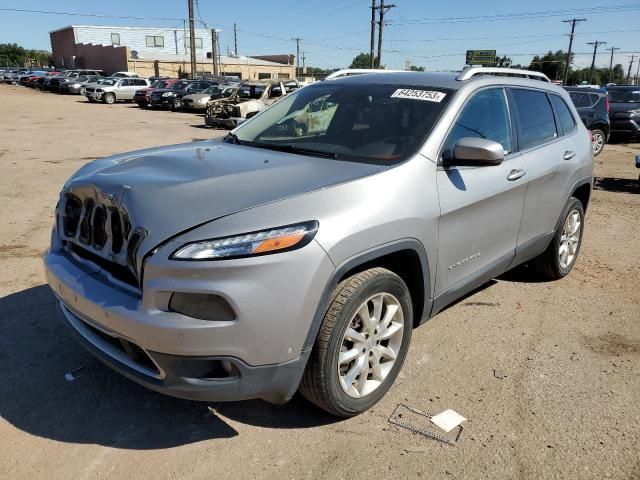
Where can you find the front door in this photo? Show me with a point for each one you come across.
(481, 207)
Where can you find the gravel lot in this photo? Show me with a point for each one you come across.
(567, 404)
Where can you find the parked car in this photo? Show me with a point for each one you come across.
(172, 97)
(593, 106)
(40, 82)
(142, 96)
(249, 100)
(114, 89)
(624, 105)
(275, 260)
(77, 85)
(30, 78)
(54, 83)
(12, 75)
(200, 101)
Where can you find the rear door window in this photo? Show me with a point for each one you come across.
(485, 115)
(535, 118)
(567, 122)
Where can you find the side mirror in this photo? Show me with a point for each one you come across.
(476, 152)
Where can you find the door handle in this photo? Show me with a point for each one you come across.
(568, 155)
(516, 174)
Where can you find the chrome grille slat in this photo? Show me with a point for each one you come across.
(100, 220)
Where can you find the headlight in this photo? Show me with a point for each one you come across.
(99, 90)
(76, 85)
(280, 239)
(168, 94)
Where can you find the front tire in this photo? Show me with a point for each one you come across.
(361, 345)
(109, 98)
(560, 256)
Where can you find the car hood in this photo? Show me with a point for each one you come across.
(197, 96)
(169, 190)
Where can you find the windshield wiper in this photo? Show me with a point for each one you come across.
(290, 148)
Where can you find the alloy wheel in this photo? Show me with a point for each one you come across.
(570, 239)
(597, 142)
(370, 345)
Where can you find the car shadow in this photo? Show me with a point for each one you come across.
(617, 185)
(100, 406)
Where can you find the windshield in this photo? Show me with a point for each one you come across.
(362, 122)
(108, 81)
(251, 91)
(631, 95)
(211, 90)
(160, 84)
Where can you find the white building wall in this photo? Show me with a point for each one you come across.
(135, 39)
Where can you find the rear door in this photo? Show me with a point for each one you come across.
(548, 145)
(481, 207)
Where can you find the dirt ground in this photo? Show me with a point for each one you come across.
(548, 374)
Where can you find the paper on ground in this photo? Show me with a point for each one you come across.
(448, 420)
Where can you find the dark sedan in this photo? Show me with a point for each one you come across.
(143, 95)
(172, 97)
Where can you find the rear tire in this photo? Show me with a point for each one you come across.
(560, 256)
(367, 329)
(598, 141)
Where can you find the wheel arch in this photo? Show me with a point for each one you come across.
(582, 191)
(407, 258)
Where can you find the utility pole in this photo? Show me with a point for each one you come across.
(382, 9)
(192, 41)
(214, 42)
(304, 58)
(613, 49)
(373, 33)
(595, 44)
(630, 65)
(573, 22)
(218, 51)
(235, 40)
(637, 74)
(297, 40)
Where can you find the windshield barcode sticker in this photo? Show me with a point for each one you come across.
(426, 95)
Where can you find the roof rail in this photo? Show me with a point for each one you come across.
(471, 72)
(357, 71)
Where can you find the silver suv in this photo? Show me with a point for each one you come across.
(112, 89)
(301, 251)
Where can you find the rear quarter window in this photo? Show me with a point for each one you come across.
(535, 118)
(582, 99)
(567, 121)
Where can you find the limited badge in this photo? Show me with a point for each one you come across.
(425, 95)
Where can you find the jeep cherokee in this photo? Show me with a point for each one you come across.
(300, 251)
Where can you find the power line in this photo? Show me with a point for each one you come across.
(97, 15)
(523, 15)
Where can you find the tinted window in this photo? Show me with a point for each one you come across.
(581, 99)
(567, 122)
(623, 95)
(484, 116)
(537, 124)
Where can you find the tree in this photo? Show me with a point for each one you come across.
(11, 54)
(314, 70)
(413, 68)
(363, 60)
(551, 64)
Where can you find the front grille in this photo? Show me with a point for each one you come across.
(96, 229)
(89, 89)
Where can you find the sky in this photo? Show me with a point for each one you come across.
(434, 35)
